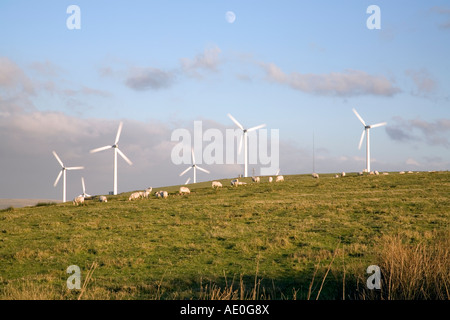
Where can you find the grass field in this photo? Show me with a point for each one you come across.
(303, 238)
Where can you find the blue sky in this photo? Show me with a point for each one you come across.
(298, 66)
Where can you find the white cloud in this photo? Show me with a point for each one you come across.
(348, 83)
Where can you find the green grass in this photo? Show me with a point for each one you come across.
(258, 240)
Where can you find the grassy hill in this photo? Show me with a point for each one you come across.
(303, 238)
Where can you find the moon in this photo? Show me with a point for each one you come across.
(230, 16)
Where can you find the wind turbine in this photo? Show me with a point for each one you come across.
(116, 149)
(367, 129)
(84, 194)
(63, 173)
(244, 137)
(187, 181)
(195, 168)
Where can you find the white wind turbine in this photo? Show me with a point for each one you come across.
(116, 150)
(63, 173)
(195, 168)
(367, 129)
(244, 137)
(84, 194)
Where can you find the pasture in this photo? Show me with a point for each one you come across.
(303, 238)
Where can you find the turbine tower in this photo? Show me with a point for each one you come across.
(195, 168)
(367, 130)
(116, 149)
(63, 173)
(244, 137)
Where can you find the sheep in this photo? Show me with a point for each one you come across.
(410, 172)
(385, 173)
(241, 183)
(102, 199)
(360, 173)
(343, 174)
(376, 173)
(336, 176)
(256, 179)
(162, 194)
(279, 179)
(270, 179)
(78, 200)
(234, 182)
(147, 192)
(315, 175)
(184, 190)
(135, 195)
(401, 172)
(371, 173)
(216, 184)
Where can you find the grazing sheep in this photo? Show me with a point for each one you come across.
(401, 172)
(216, 184)
(135, 195)
(360, 173)
(184, 190)
(241, 183)
(371, 173)
(279, 179)
(102, 199)
(343, 174)
(385, 173)
(336, 176)
(270, 179)
(78, 200)
(410, 172)
(256, 179)
(315, 175)
(147, 192)
(161, 194)
(235, 182)
(377, 173)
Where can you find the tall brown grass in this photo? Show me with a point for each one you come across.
(413, 271)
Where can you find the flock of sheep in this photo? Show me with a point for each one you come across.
(215, 185)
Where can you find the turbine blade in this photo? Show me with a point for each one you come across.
(278, 171)
(74, 168)
(57, 178)
(57, 158)
(201, 169)
(193, 155)
(187, 181)
(256, 128)
(236, 122)
(240, 144)
(185, 171)
(362, 138)
(359, 117)
(118, 132)
(84, 187)
(100, 149)
(378, 125)
(124, 157)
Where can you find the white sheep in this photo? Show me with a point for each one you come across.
(315, 175)
(256, 179)
(78, 200)
(241, 183)
(216, 184)
(410, 172)
(377, 173)
(371, 173)
(270, 179)
(360, 173)
(184, 190)
(343, 174)
(235, 182)
(102, 199)
(161, 194)
(385, 173)
(401, 172)
(336, 176)
(135, 195)
(279, 179)
(147, 192)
